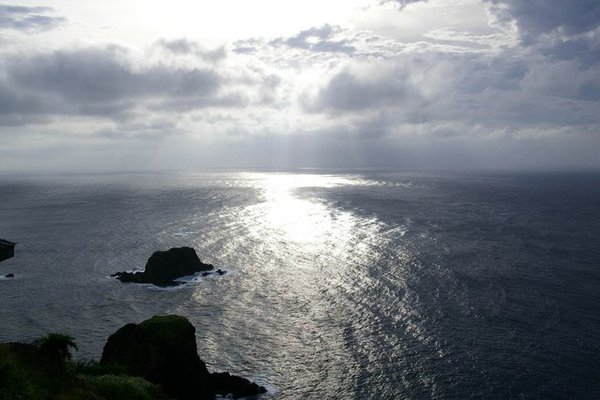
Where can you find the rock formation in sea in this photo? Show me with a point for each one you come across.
(163, 351)
(163, 267)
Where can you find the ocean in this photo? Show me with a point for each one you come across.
(339, 285)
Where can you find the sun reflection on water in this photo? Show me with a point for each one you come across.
(300, 220)
(302, 271)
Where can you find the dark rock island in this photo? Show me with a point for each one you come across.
(163, 267)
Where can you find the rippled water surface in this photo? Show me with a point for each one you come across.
(378, 285)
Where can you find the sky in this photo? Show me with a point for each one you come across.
(402, 84)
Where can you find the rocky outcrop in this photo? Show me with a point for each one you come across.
(163, 267)
(7, 249)
(163, 351)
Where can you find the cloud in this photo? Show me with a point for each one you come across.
(249, 46)
(95, 75)
(563, 30)
(560, 29)
(450, 83)
(318, 39)
(19, 109)
(584, 49)
(474, 90)
(443, 95)
(350, 91)
(565, 79)
(28, 19)
(536, 17)
(106, 82)
(400, 3)
(184, 46)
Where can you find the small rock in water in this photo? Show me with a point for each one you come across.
(163, 267)
(11, 275)
(219, 271)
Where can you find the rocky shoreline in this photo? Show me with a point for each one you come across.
(155, 359)
(163, 351)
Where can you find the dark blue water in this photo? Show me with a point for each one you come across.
(362, 285)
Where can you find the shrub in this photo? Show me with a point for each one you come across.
(56, 346)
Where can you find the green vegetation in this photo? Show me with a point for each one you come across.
(44, 370)
(119, 387)
(56, 347)
(167, 326)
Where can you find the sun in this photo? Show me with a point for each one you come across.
(222, 21)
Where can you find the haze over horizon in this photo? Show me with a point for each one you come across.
(459, 84)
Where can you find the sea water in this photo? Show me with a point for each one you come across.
(359, 285)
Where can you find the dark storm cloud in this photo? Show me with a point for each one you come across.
(348, 92)
(557, 28)
(460, 92)
(101, 75)
(416, 79)
(535, 17)
(584, 49)
(12, 102)
(318, 39)
(19, 109)
(187, 47)
(23, 18)
(99, 81)
(560, 29)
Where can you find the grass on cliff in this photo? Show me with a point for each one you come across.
(44, 370)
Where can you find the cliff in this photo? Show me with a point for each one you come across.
(154, 360)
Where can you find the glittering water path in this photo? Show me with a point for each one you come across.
(338, 286)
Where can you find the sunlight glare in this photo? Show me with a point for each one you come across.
(300, 220)
(231, 19)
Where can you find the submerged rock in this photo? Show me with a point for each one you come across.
(163, 351)
(219, 272)
(163, 267)
(224, 383)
